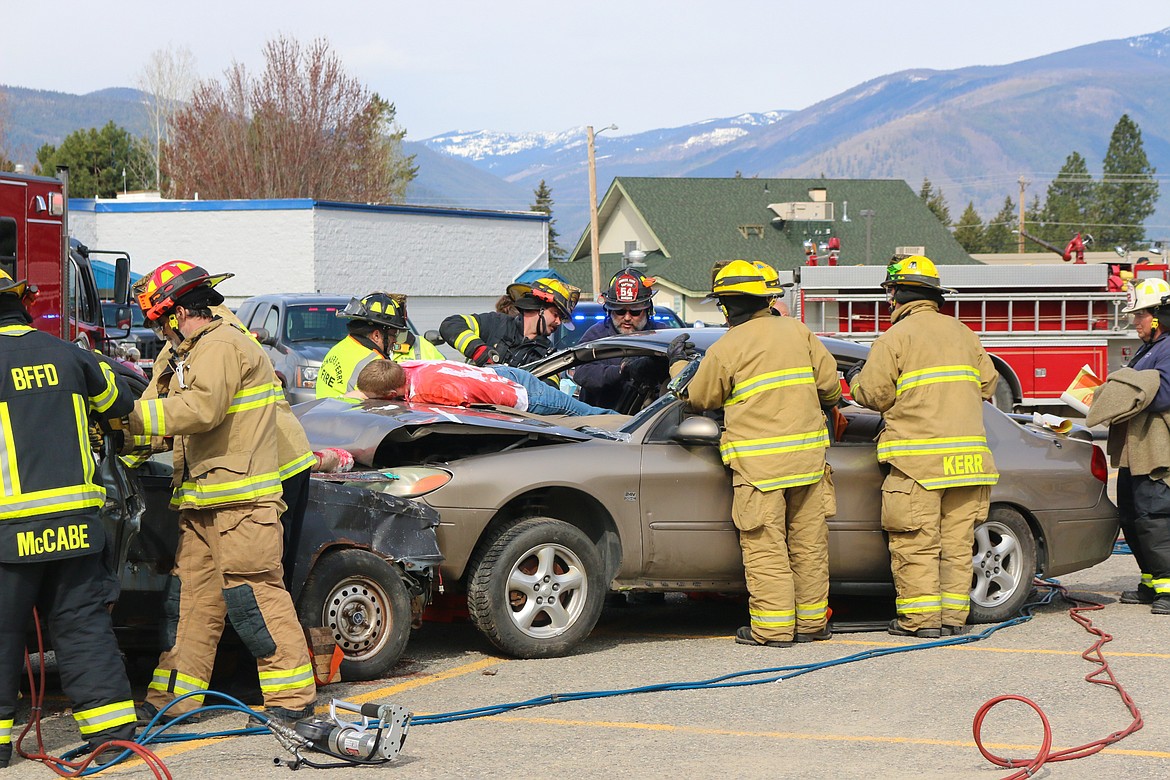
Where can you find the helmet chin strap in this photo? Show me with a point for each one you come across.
(541, 325)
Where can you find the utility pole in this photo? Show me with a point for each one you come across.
(594, 250)
(1020, 238)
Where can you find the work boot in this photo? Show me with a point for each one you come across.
(112, 753)
(743, 636)
(1143, 595)
(1161, 606)
(5, 755)
(287, 715)
(146, 712)
(896, 629)
(814, 636)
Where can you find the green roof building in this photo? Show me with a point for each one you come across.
(679, 227)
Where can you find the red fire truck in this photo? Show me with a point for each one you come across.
(35, 245)
(1040, 323)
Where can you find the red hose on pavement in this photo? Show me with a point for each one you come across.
(59, 765)
(1103, 675)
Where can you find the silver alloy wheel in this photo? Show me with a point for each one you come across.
(356, 613)
(547, 590)
(997, 563)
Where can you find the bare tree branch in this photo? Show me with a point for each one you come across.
(303, 128)
(169, 77)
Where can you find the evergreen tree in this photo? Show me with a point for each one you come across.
(97, 160)
(1068, 204)
(544, 204)
(1128, 191)
(997, 236)
(935, 201)
(969, 230)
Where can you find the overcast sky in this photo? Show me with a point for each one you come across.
(559, 64)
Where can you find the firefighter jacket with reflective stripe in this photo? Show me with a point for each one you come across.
(505, 334)
(929, 375)
(48, 389)
(771, 376)
(292, 445)
(221, 408)
(1139, 436)
(342, 364)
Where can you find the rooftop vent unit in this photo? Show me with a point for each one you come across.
(803, 211)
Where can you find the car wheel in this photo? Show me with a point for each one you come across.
(536, 588)
(1002, 398)
(362, 599)
(1003, 565)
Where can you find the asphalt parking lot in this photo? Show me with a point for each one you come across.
(902, 715)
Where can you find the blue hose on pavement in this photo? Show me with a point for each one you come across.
(739, 679)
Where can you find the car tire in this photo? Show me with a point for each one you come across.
(1002, 398)
(536, 588)
(1003, 566)
(362, 599)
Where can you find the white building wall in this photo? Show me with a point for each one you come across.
(425, 254)
(267, 250)
(447, 261)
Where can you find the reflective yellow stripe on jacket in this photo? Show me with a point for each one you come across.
(308, 460)
(773, 380)
(202, 496)
(255, 397)
(17, 504)
(469, 335)
(105, 399)
(931, 376)
(963, 458)
(749, 448)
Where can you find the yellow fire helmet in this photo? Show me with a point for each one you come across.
(914, 271)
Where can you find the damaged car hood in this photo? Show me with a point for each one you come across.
(364, 428)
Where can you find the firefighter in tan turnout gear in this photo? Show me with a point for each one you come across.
(772, 377)
(220, 407)
(295, 456)
(928, 375)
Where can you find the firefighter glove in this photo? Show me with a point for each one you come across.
(644, 370)
(852, 372)
(682, 348)
(485, 355)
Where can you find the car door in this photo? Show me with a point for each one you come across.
(857, 546)
(689, 539)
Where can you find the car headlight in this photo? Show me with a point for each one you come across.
(306, 376)
(411, 482)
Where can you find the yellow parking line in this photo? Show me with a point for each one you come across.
(1023, 651)
(418, 682)
(969, 647)
(788, 735)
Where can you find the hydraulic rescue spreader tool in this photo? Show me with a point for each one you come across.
(376, 739)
